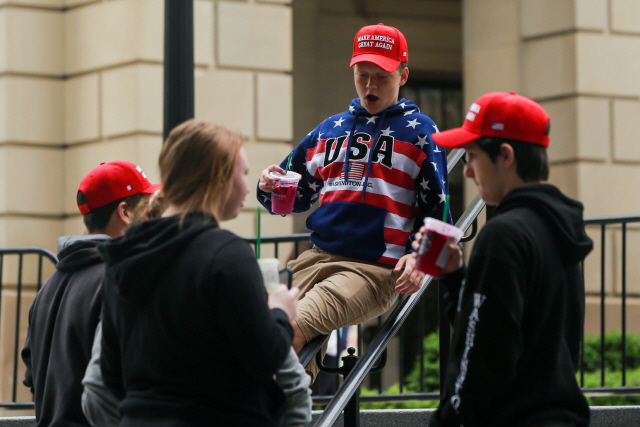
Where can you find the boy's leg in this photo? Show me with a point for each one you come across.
(337, 291)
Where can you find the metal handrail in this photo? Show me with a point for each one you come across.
(612, 220)
(311, 348)
(30, 250)
(388, 331)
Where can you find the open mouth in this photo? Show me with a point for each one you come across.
(372, 98)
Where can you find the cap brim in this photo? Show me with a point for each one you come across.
(454, 138)
(151, 189)
(387, 64)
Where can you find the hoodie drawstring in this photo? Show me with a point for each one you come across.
(373, 146)
(350, 136)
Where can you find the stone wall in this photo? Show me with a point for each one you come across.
(578, 59)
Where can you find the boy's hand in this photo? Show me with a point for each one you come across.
(267, 184)
(455, 261)
(285, 299)
(410, 281)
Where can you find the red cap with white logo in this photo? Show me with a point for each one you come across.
(110, 182)
(384, 46)
(501, 115)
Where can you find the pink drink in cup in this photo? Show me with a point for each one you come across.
(283, 196)
(433, 254)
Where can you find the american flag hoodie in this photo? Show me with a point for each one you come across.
(373, 197)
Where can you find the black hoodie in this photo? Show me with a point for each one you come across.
(518, 317)
(187, 333)
(62, 323)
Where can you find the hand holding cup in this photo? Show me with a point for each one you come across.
(437, 246)
(267, 182)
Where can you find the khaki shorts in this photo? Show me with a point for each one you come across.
(337, 291)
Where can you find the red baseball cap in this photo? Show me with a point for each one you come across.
(110, 182)
(384, 46)
(502, 115)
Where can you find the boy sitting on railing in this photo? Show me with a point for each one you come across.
(377, 175)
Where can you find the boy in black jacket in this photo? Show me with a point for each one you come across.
(64, 315)
(518, 309)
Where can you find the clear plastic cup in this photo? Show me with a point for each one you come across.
(284, 195)
(270, 268)
(433, 253)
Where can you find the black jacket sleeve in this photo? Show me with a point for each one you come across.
(110, 358)
(452, 283)
(488, 340)
(260, 338)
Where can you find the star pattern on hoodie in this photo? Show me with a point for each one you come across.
(266, 197)
(425, 184)
(435, 166)
(299, 195)
(387, 132)
(443, 197)
(407, 113)
(437, 150)
(320, 136)
(338, 123)
(351, 109)
(403, 105)
(413, 123)
(436, 128)
(422, 141)
(371, 119)
(313, 186)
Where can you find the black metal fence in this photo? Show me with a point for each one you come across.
(26, 269)
(21, 270)
(602, 227)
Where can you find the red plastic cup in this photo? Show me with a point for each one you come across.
(433, 253)
(284, 195)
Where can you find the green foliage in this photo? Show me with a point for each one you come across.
(431, 366)
(613, 367)
(613, 352)
(395, 389)
(612, 379)
(412, 380)
(592, 378)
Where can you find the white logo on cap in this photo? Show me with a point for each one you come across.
(475, 108)
(138, 169)
(471, 116)
(497, 126)
(404, 54)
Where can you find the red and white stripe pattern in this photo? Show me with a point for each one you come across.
(393, 190)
